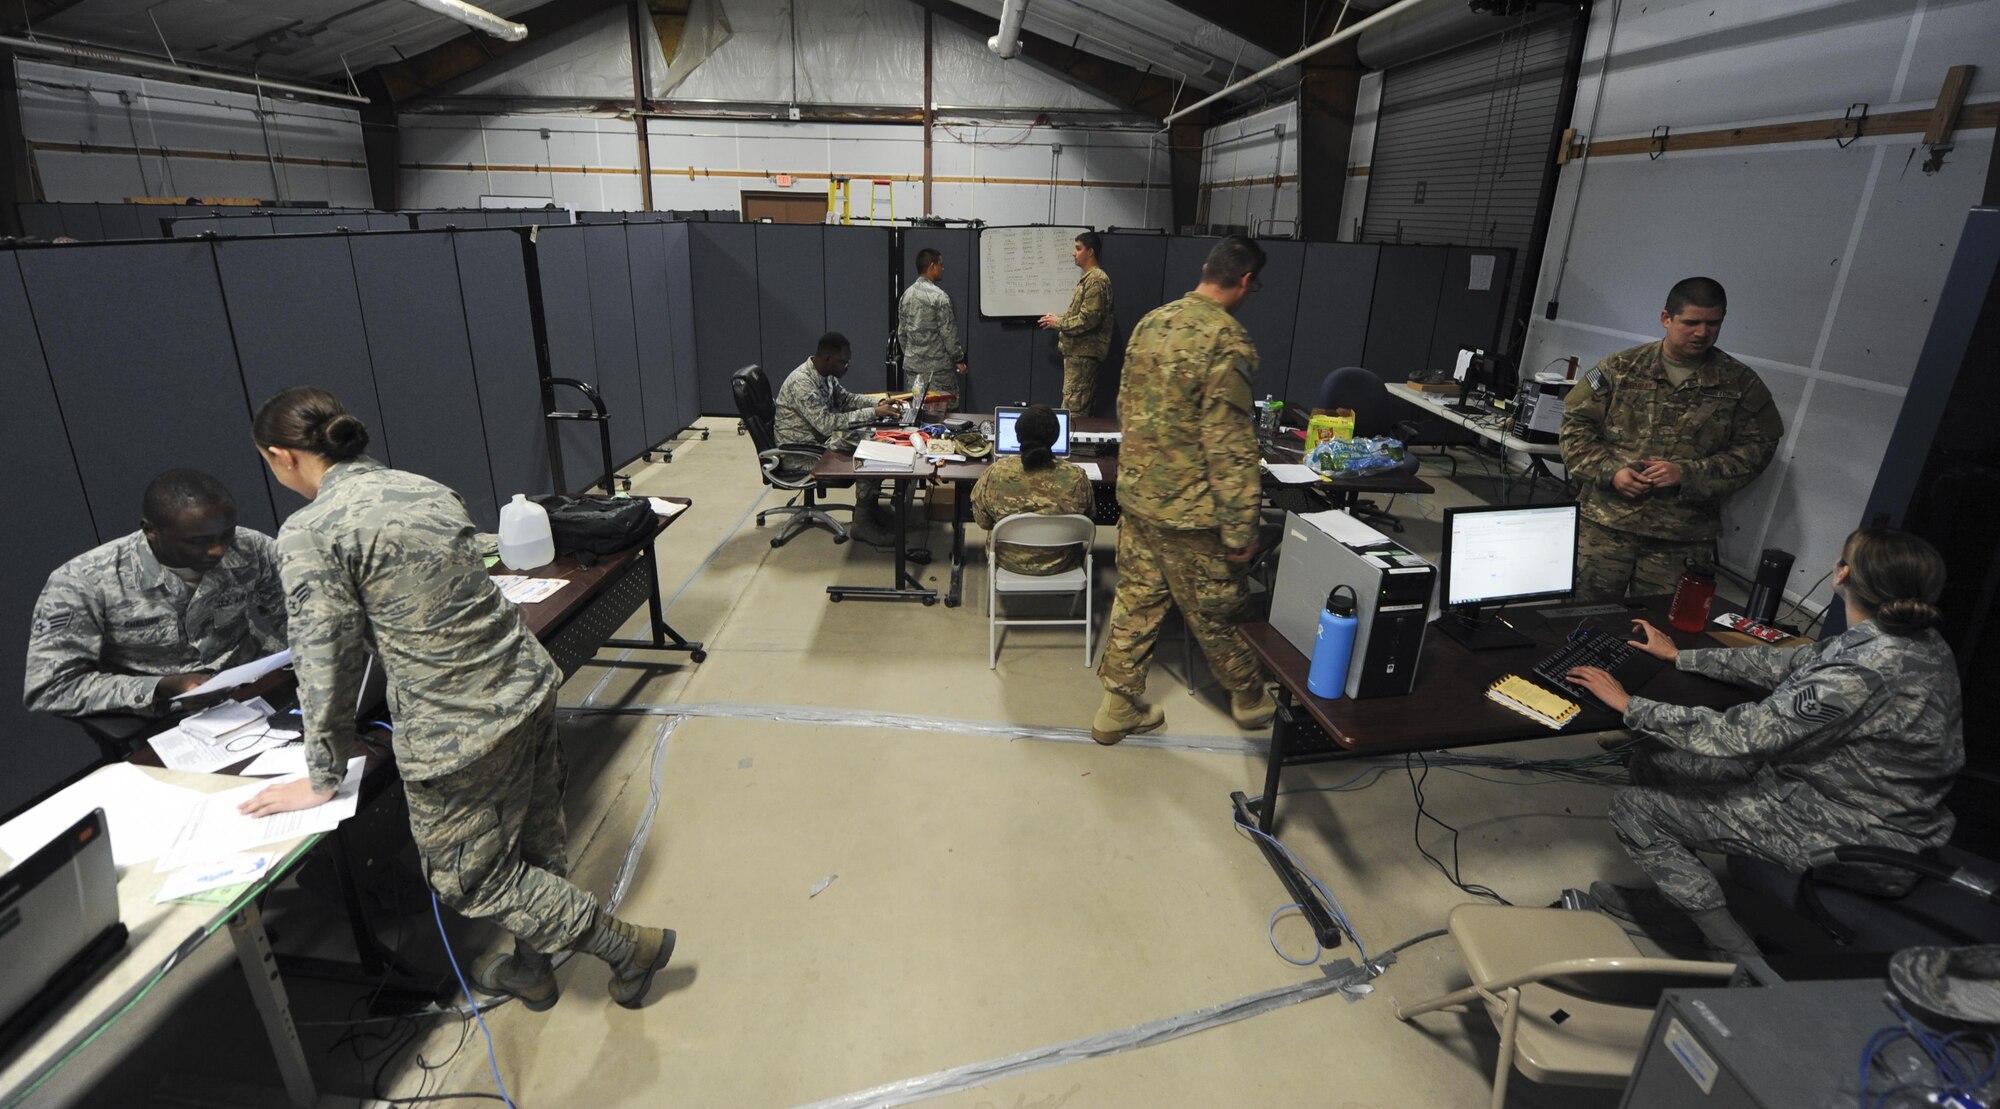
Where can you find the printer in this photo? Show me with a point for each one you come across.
(1321, 550)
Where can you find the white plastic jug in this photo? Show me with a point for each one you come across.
(525, 539)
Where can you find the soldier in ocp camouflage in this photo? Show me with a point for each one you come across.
(928, 332)
(1083, 335)
(1189, 491)
(384, 560)
(113, 621)
(1855, 744)
(1719, 424)
(1008, 488)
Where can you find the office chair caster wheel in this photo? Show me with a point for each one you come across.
(836, 598)
(699, 656)
(929, 601)
(839, 539)
(949, 603)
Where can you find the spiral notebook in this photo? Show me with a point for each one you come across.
(1532, 701)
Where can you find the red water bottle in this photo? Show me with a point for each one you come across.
(1692, 597)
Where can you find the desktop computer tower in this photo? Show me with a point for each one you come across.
(1322, 550)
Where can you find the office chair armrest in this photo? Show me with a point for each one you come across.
(799, 456)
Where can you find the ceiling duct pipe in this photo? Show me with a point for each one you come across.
(1431, 29)
(71, 52)
(1007, 43)
(1333, 39)
(476, 18)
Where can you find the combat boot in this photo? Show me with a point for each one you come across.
(527, 974)
(1252, 708)
(866, 529)
(1120, 716)
(635, 954)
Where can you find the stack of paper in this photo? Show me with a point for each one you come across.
(143, 813)
(195, 746)
(871, 456)
(1531, 700)
(242, 675)
(1291, 473)
(665, 508)
(215, 830)
(525, 590)
(1092, 471)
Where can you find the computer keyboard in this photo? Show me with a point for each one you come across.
(1588, 647)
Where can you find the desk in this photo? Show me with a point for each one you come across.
(838, 467)
(1447, 708)
(162, 938)
(580, 619)
(1485, 427)
(1337, 492)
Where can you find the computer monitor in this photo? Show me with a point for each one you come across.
(1005, 441)
(1498, 554)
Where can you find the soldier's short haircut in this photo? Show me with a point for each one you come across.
(1091, 242)
(833, 342)
(1233, 257)
(925, 257)
(1702, 292)
(177, 491)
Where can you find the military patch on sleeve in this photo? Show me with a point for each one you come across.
(1807, 706)
(296, 599)
(48, 625)
(1595, 378)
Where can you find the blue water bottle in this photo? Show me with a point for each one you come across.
(1333, 645)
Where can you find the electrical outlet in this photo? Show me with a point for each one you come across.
(793, 113)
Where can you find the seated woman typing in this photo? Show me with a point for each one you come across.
(1033, 481)
(1856, 743)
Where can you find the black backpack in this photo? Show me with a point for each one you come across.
(590, 526)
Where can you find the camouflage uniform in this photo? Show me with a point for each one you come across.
(928, 333)
(383, 561)
(112, 622)
(813, 408)
(1856, 743)
(1083, 335)
(1720, 426)
(1189, 491)
(1008, 488)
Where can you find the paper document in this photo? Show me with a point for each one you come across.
(278, 762)
(1292, 473)
(242, 675)
(1347, 529)
(215, 830)
(143, 814)
(1481, 277)
(525, 590)
(1092, 471)
(224, 873)
(666, 508)
(884, 456)
(188, 746)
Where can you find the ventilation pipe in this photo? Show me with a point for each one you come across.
(69, 52)
(1337, 37)
(1007, 43)
(477, 18)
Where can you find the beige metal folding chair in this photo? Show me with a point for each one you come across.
(1030, 529)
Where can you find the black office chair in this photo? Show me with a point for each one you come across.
(784, 465)
(1375, 413)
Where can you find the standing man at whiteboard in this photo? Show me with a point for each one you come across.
(1083, 333)
(928, 331)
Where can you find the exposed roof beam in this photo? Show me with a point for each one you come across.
(1147, 93)
(440, 65)
(1276, 26)
(23, 16)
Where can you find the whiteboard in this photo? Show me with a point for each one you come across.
(1026, 271)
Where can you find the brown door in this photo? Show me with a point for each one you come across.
(784, 207)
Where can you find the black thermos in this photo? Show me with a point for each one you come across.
(1768, 591)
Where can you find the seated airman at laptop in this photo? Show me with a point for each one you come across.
(1033, 481)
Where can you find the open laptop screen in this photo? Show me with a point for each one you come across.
(1006, 441)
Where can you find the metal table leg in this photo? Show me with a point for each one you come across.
(1317, 913)
(907, 587)
(260, 970)
(662, 631)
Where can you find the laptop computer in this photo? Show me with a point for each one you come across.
(1007, 441)
(58, 924)
(913, 412)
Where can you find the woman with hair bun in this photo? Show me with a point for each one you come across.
(1855, 744)
(384, 561)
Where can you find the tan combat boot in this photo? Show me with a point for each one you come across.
(1120, 716)
(1252, 709)
(634, 953)
(527, 974)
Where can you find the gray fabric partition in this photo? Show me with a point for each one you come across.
(1271, 315)
(121, 221)
(652, 328)
(493, 287)
(1468, 317)
(83, 223)
(724, 258)
(681, 323)
(616, 341)
(1139, 283)
(92, 223)
(564, 268)
(160, 389)
(190, 227)
(1336, 289)
(858, 269)
(418, 343)
(791, 294)
(40, 751)
(40, 220)
(296, 318)
(1403, 314)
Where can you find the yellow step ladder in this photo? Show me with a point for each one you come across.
(872, 201)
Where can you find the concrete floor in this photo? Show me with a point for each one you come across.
(993, 893)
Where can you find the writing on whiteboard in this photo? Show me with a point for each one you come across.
(1026, 271)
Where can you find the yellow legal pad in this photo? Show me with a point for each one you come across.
(1531, 700)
